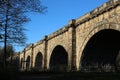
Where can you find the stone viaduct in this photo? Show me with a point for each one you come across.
(91, 39)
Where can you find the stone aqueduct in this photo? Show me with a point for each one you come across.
(94, 37)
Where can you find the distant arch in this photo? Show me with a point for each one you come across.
(38, 61)
(28, 63)
(59, 59)
(21, 63)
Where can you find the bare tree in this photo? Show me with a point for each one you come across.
(13, 17)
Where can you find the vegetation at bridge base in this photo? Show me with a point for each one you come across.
(9, 73)
(87, 76)
(73, 75)
(12, 73)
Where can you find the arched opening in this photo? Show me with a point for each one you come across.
(101, 51)
(38, 62)
(21, 63)
(59, 59)
(28, 63)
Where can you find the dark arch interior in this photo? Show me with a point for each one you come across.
(21, 63)
(101, 51)
(28, 63)
(38, 62)
(59, 59)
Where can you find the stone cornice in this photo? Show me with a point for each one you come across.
(103, 8)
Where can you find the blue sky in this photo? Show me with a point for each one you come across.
(58, 14)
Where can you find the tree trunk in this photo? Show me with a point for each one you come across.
(5, 36)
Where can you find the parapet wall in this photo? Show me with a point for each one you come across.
(103, 8)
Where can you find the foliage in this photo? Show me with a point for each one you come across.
(13, 17)
(10, 51)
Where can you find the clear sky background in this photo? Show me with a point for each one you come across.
(58, 14)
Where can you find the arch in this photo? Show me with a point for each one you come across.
(101, 50)
(21, 63)
(28, 63)
(38, 61)
(58, 59)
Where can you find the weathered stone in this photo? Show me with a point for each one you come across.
(74, 36)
